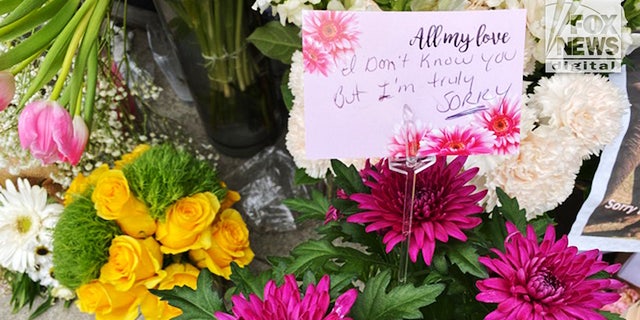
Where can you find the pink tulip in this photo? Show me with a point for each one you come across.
(47, 130)
(7, 89)
(79, 141)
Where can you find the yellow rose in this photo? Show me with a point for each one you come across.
(81, 183)
(135, 220)
(154, 308)
(111, 194)
(231, 198)
(180, 274)
(133, 262)
(229, 242)
(106, 302)
(129, 157)
(187, 222)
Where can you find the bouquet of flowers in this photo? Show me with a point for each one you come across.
(482, 242)
(28, 215)
(151, 221)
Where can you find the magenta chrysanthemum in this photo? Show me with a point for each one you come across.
(285, 303)
(444, 205)
(543, 281)
(334, 31)
(459, 140)
(503, 120)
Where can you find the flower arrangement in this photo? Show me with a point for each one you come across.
(115, 120)
(151, 221)
(579, 112)
(482, 244)
(466, 263)
(28, 215)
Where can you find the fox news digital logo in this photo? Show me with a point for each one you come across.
(583, 36)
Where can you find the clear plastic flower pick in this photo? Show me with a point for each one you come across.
(410, 165)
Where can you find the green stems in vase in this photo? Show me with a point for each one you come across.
(220, 29)
(233, 87)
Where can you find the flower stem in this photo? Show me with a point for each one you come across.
(71, 51)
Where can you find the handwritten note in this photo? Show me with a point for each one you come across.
(361, 68)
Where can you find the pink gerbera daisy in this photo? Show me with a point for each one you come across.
(543, 281)
(335, 31)
(285, 303)
(503, 120)
(459, 140)
(443, 207)
(314, 57)
(407, 137)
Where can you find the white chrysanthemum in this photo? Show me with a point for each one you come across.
(24, 215)
(541, 176)
(295, 142)
(587, 104)
(530, 45)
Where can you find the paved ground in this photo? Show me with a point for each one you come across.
(264, 243)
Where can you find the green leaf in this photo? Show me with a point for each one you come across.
(492, 230)
(287, 97)
(401, 302)
(466, 258)
(301, 177)
(540, 224)
(24, 291)
(610, 316)
(318, 254)
(511, 210)
(23, 9)
(247, 282)
(314, 208)
(42, 308)
(347, 178)
(198, 304)
(277, 41)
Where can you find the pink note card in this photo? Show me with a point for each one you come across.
(459, 72)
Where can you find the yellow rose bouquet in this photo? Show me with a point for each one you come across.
(153, 220)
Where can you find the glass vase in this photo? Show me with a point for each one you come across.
(234, 88)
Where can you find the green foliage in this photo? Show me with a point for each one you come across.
(348, 178)
(23, 290)
(314, 208)
(610, 316)
(200, 304)
(510, 209)
(301, 177)
(164, 174)
(466, 258)
(43, 307)
(324, 257)
(276, 41)
(287, 95)
(248, 283)
(400, 302)
(81, 240)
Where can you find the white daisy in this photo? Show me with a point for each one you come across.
(42, 270)
(24, 216)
